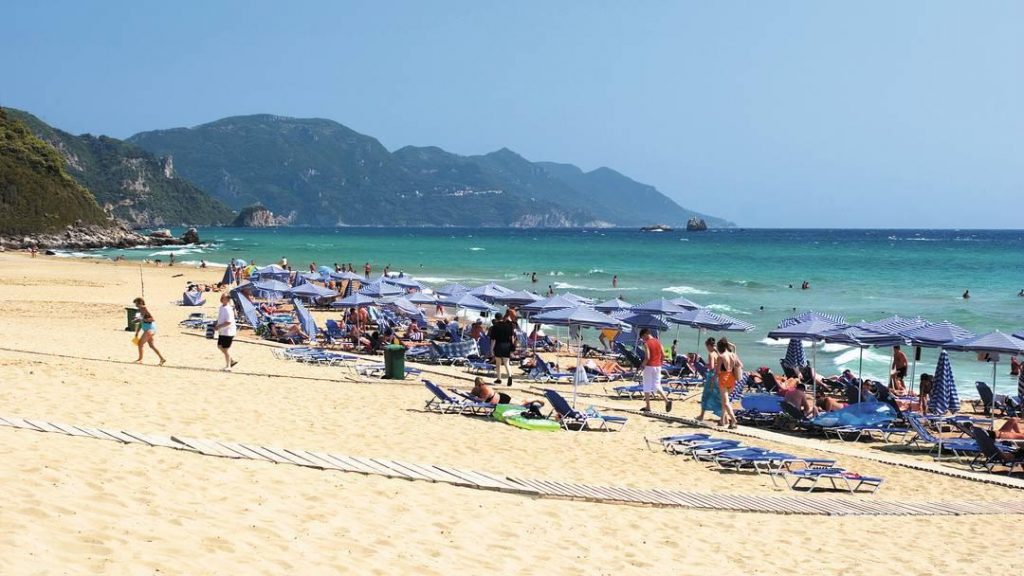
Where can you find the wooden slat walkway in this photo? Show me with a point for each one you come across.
(666, 498)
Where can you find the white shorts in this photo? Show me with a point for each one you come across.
(652, 379)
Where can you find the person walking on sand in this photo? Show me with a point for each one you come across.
(729, 370)
(502, 335)
(710, 399)
(145, 330)
(653, 359)
(226, 329)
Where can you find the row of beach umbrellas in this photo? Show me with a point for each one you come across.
(818, 327)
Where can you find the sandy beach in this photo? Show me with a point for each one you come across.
(83, 506)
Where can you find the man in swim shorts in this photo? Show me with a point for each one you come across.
(653, 360)
(226, 329)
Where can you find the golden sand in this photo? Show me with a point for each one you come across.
(74, 505)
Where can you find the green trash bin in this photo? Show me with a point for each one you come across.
(130, 327)
(394, 362)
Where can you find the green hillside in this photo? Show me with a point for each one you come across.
(36, 194)
(128, 182)
(329, 175)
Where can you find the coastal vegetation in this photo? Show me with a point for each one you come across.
(129, 183)
(36, 193)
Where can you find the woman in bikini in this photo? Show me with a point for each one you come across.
(729, 366)
(485, 393)
(145, 330)
(710, 399)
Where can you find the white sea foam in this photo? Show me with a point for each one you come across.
(782, 342)
(726, 308)
(432, 279)
(595, 271)
(556, 273)
(208, 264)
(685, 290)
(477, 249)
(567, 286)
(832, 348)
(852, 357)
(177, 252)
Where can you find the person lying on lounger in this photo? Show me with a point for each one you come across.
(278, 332)
(484, 392)
(1011, 430)
(413, 333)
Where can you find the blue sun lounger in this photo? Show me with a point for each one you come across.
(445, 403)
(810, 477)
(573, 419)
(958, 447)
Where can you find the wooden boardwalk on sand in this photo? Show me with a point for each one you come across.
(796, 504)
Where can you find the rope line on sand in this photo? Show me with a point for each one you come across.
(822, 506)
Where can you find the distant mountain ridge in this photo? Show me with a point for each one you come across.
(330, 175)
(129, 182)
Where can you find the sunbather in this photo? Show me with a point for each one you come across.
(1011, 430)
(797, 397)
(278, 332)
(413, 333)
(484, 392)
(827, 403)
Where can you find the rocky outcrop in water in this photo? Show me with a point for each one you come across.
(260, 217)
(89, 236)
(696, 225)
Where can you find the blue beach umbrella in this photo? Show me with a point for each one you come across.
(834, 319)
(613, 305)
(346, 275)
(685, 303)
(862, 337)
(269, 289)
(451, 290)
(517, 298)
(813, 330)
(659, 306)
(937, 335)
(470, 302)
(406, 282)
(1020, 386)
(424, 298)
(795, 354)
(577, 318)
(578, 299)
(645, 321)
(556, 302)
(944, 396)
(229, 276)
(993, 342)
(310, 291)
(378, 289)
(305, 319)
(490, 291)
(356, 300)
(245, 307)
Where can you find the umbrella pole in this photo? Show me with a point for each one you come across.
(860, 376)
(913, 368)
(814, 372)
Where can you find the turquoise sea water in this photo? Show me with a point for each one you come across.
(863, 274)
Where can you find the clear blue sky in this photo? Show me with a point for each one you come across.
(795, 114)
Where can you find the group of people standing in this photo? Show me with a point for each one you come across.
(725, 370)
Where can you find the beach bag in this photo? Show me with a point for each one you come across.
(209, 331)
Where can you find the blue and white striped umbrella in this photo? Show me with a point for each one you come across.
(1020, 385)
(305, 319)
(936, 335)
(795, 354)
(944, 396)
(812, 315)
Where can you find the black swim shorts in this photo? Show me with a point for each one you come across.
(224, 341)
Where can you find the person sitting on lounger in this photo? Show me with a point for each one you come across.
(797, 397)
(413, 333)
(267, 308)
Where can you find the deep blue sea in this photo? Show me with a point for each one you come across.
(862, 274)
